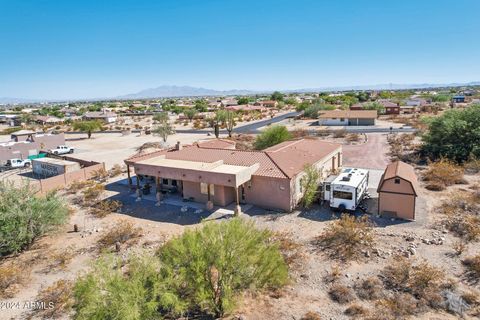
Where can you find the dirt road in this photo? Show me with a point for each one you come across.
(371, 155)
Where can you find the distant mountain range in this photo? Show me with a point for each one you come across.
(182, 91)
(168, 91)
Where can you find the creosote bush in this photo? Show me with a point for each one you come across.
(12, 276)
(442, 174)
(57, 298)
(472, 266)
(369, 289)
(103, 208)
(122, 232)
(341, 293)
(310, 315)
(345, 238)
(202, 272)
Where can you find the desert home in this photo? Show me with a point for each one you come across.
(220, 175)
(397, 191)
(25, 143)
(105, 116)
(347, 118)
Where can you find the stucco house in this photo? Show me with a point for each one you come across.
(347, 118)
(397, 191)
(106, 116)
(25, 143)
(215, 174)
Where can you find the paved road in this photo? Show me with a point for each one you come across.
(248, 128)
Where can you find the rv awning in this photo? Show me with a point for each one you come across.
(207, 172)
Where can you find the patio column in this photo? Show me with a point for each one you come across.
(139, 192)
(209, 198)
(128, 175)
(238, 209)
(158, 188)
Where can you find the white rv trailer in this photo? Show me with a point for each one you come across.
(347, 190)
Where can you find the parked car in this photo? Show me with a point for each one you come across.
(16, 163)
(61, 150)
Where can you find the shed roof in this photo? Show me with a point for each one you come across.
(401, 170)
(348, 114)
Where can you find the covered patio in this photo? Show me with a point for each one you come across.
(211, 183)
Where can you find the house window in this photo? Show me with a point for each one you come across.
(327, 187)
(397, 181)
(165, 181)
(342, 119)
(174, 183)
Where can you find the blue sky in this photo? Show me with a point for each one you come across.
(89, 48)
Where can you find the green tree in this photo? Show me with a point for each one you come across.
(243, 100)
(374, 106)
(230, 122)
(291, 101)
(190, 113)
(212, 266)
(313, 111)
(272, 136)
(202, 272)
(277, 96)
(309, 183)
(454, 135)
(87, 126)
(24, 216)
(163, 128)
(201, 105)
(161, 117)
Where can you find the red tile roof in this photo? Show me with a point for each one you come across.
(284, 160)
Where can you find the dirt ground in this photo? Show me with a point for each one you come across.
(307, 291)
(372, 155)
(113, 148)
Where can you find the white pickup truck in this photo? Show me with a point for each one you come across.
(61, 150)
(16, 163)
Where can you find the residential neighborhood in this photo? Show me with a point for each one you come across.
(240, 160)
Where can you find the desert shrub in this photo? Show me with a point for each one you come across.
(472, 165)
(369, 289)
(333, 275)
(78, 185)
(339, 133)
(454, 303)
(24, 216)
(93, 193)
(443, 173)
(398, 306)
(57, 298)
(422, 281)
(58, 260)
(272, 136)
(103, 208)
(122, 232)
(115, 171)
(100, 174)
(12, 276)
(461, 215)
(356, 310)
(353, 137)
(213, 265)
(472, 266)
(345, 238)
(341, 293)
(310, 315)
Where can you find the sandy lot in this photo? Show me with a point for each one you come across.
(372, 155)
(113, 148)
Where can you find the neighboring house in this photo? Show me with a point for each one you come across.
(105, 116)
(12, 120)
(397, 191)
(48, 120)
(458, 99)
(218, 175)
(267, 103)
(408, 109)
(246, 108)
(390, 107)
(417, 102)
(347, 117)
(25, 143)
(229, 102)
